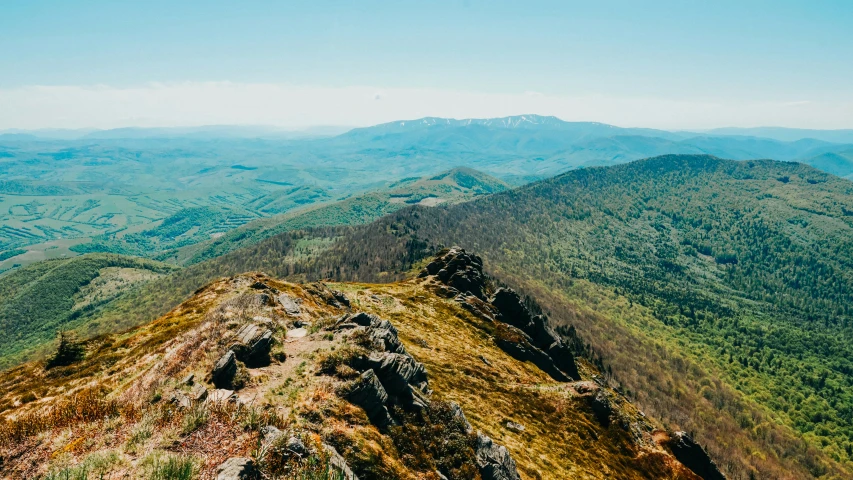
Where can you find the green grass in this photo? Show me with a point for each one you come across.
(164, 466)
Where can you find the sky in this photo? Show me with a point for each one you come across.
(662, 64)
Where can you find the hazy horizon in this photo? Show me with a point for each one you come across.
(666, 65)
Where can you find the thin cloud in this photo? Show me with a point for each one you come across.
(206, 103)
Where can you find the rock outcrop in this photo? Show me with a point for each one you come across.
(237, 468)
(694, 457)
(392, 377)
(224, 370)
(494, 461)
(252, 345)
(532, 340)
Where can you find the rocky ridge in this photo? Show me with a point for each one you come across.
(257, 378)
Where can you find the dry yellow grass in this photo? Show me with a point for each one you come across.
(128, 377)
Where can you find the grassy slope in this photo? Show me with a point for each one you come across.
(719, 291)
(562, 439)
(37, 300)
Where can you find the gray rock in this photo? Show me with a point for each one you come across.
(198, 393)
(188, 380)
(224, 370)
(180, 400)
(369, 394)
(237, 468)
(221, 395)
(270, 434)
(515, 427)
(338, 462)
(253, 344)
(397, 372)
(290, 304)
(458, 414)
(694, 457)
(494, 461)
(295, 446)
(601, 407)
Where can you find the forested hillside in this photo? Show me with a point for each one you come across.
(719, 292)
(38, 300)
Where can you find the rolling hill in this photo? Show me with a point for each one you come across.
(38, 300)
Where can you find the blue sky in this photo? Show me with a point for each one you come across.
(730, 63)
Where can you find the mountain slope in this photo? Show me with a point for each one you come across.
(837, 163)
(453, 186)
(719, 291)
(37, 300)
(304, 396)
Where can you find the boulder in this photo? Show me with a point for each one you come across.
(694, 457)
(296, 446)
(458, 269)
(180, 400)
(360, 318)
(384, 337)
(331, 297)
(270, 434)
(252, 345)
(338, 462)
(564, 359)
(221, 395)
(224, 370)
(369, 394)
(601, 407)
(237, 468)
(188, 380)
(198, 393)
(459, 415)
(494, 461)
(289, 304)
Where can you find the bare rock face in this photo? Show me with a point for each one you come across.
(462, 272)
(224, 370)
(338, 462)
(252, 345)
(290, 304)
(494, 460)
(601, 407)
(369, 394)
(237, 468)
(694, 457)
(331, 297)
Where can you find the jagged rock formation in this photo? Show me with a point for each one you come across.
(391, 378)
(224, 370)
(238, 468)
(526, 336)
(692, 455)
